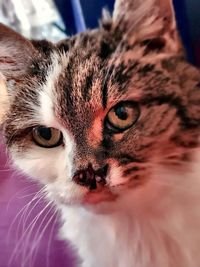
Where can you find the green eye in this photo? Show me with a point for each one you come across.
(122, 116)
(46, 137)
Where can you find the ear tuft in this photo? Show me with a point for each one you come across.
(148, 22)
(16, 54)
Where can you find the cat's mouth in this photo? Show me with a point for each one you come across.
(102, 192)
(97, 184)
(98, 196)
(98, 191)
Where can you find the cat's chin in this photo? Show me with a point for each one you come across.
(82, 197)
(96, 197)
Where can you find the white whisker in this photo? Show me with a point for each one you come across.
(37, 238)
(19, 245)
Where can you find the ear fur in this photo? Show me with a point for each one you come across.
(4, 100)
(16, 52)
(149, 22)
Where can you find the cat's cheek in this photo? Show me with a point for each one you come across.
(115, 176)
(41, 164)
(65, 193)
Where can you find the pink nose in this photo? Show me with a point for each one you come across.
(90, 177)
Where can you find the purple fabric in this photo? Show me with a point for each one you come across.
(17, 235)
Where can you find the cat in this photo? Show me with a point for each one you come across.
(108, 121)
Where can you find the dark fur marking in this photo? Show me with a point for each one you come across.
(43, 47)
(168, 64)
(132, 169)
(87, 87)
(39, 65)
(158, 127)
(105, 86)
(38, 69)
(186, 144)
(106, 24)
(142, 147)
(17, 135)
(146, 69)
(64, 46)
(136, 177)
(156, 44)
(66, 101)
(126, 159)
(123, 73)
(106, 143)
(84, 39)
(105, 50)
(175, 102)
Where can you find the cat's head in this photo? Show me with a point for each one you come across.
(100, 114)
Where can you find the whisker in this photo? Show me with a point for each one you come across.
(15, 195)
(21, 240)
(22, 213)
(26, 214)
(25, 196)
(37, 238)
(27, 241)
(50, 240)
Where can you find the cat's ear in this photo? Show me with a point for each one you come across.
(16, 53)
(150, 23)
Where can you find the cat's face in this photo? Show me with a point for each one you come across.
(98, 115)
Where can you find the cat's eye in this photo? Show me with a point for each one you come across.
(46, 137)
(122, 116)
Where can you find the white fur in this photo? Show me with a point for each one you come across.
(156, 225)
(46, 112)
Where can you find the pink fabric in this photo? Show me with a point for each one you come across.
(16, 239)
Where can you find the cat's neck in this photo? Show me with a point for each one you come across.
(153, 219)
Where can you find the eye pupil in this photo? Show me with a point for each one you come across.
(47, 137)
(122, 116)
(45, 133)
(121, 113)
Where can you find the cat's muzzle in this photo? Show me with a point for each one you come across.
(91, 178)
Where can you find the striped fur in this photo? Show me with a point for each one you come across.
(151, 199)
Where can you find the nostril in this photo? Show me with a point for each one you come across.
(85, 178)
(80, 177)
(102, 172)
(89, 177)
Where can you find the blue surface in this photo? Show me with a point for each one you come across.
(78, 16)
(184, 29)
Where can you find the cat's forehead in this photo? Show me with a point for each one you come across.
(82, 80)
